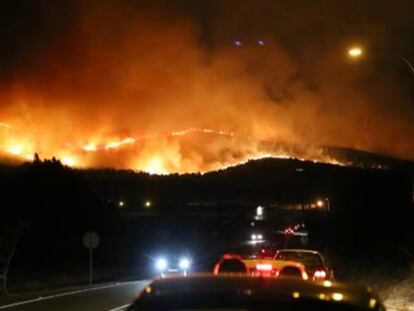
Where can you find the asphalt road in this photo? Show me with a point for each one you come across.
(105, 298)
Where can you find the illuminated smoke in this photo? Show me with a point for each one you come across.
(129, 88)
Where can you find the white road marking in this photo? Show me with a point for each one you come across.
(62, 295)
(120, 308)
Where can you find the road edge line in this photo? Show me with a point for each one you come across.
(80, 291)
(120, 308)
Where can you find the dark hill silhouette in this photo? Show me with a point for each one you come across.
(372, 210)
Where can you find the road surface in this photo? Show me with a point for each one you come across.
(103, 298)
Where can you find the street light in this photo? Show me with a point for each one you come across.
(323, 203)
(147, 204)
(259, 213)
(357, 51)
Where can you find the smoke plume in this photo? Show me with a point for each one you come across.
(195, 87)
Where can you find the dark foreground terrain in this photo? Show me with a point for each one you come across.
(366, 223)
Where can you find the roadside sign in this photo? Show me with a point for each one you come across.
(91, 241)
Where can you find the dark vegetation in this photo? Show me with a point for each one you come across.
(370, 224)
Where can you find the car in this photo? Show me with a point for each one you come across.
(234, 263)
(314, 262)
(244, 292)
(172, 264)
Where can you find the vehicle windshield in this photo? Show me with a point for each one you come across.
(309, 260)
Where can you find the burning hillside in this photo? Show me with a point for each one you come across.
(185, 151)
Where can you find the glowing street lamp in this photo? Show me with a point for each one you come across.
(259, 213)
(147, 204)
(323, 203)
(320, 203)
(355, 52)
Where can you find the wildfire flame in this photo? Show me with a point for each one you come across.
(78, 155)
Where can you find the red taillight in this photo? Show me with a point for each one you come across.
(230, 256)
(289, 231)
(216, 268)
(264, 267)
(319, 275)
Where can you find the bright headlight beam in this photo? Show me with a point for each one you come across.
(161, 264)
(184, 263)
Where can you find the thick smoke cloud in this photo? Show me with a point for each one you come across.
(78, 77)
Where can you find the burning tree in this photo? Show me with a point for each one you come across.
(9, 238)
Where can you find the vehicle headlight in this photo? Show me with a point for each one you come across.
(184, 263)
(161, 264)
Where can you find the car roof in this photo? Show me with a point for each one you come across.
(357, 295)
(299, 251)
